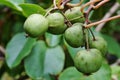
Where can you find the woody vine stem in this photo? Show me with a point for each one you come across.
(61, 3)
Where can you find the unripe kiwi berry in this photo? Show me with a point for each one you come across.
(100, 44)
(88, 61)
(75, 15)
(57, 30)
(74, 35)
(56, 23)
(35, 25)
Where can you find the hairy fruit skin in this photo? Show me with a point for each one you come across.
(35, 25)
(74, 35)
(100, 44)
(76, 14)
(56, 23)
(88, 61)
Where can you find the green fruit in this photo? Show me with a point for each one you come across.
(75, 15)
(100, 44)
(88, 61)
(57, 30)
(35, 25)
(74, 35)
(56, 23)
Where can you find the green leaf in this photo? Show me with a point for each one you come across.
(71, 74)
(17, 2)
(118, 1)
(43, 61)
(72, 51)
(54, 60)
(34, 63)
(52, 40)
(18, 48)
(12, 3)
(116, 71)
(29, 9)
(113, 45)
(75, 1)
(104, 73)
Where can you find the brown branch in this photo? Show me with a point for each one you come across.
(105, 20)
(89, 3)
(100, 4)
(2, 50)
(86, 14)
(54, 3)
(108, 14)
(62, 3)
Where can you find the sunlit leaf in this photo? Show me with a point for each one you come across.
(34, 63)
(54, 60)
(29, 9)
(18, 48)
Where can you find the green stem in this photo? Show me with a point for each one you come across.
(92, 34)
(87, 39)
(69, 23)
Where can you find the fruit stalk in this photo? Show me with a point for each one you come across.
(92, 34)
(68, 22)
(87, 40)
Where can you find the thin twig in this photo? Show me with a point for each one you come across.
(62, 3)
(108, 14)
(86, 14)
(105, 20)
(68, 22)
(100, 4)
(89, 3)
(54, 3)
(2, 50)
(50, 11)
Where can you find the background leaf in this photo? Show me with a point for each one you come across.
(52, 40)
(72, 51)
(29, 9)
(54, 60)
(18, 48)
(118, 1)
(34, 63)
(44, 61)
(103, 73)
(113, 46)
(71, 74)
(12, 3)
(116, 71)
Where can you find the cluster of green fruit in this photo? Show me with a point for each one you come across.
(90, 60)
(86, 61)
(36, 24)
